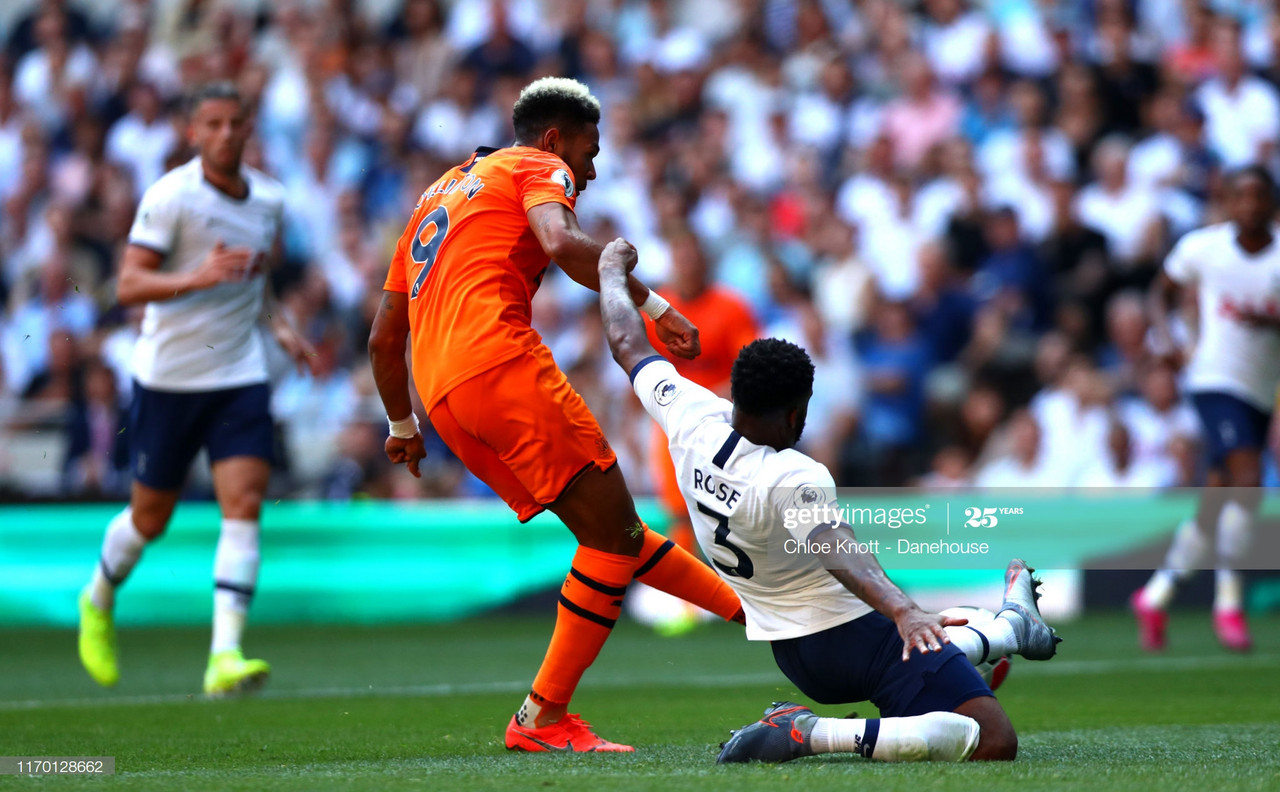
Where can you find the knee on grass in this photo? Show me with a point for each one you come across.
(997, 742)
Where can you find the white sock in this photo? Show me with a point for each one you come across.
(121, 548)
(1158, 592)
(990, 641)
(531, 711)
(528, 713)
(936, 736)
(1235, 525)
(235, 576)
(1185, 554)
(1229, 591)
(845, 735)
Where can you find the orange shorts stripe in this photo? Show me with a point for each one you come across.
(521, 428)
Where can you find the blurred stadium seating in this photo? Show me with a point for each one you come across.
(954, 205)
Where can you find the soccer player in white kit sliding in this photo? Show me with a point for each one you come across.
(1232, 379)
(198, 255)
(840, 630)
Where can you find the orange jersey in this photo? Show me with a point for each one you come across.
(470, 264)
(725, 325)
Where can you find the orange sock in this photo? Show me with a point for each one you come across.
(590, 601)
(668, 567)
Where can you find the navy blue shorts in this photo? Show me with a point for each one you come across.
(1230, 423)
(861, 660)
(167, 429)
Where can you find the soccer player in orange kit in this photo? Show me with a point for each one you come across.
(459, 289)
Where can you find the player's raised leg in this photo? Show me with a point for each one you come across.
(1018, 627)
(127, 535)
(670, 568)
(240, 483)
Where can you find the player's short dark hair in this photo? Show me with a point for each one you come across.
(221, 90)
(552, 102)
(770, 375)
(1259, 172)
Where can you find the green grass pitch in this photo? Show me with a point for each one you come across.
(424, 707)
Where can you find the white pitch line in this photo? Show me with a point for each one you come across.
(1024, 668)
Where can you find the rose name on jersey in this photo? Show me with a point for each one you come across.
(721, 491)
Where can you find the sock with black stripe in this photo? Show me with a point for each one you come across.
(931, 737)
(590, 602)
(235, 577)
(989, 641)
(670, 568)
(121, 548)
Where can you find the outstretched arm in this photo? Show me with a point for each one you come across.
(575, 252)
(572, 249)
(862, 574)
(623, 325)
(387, 344)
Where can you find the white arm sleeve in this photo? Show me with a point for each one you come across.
(670, 398)
(156, 224)
(1181, 264)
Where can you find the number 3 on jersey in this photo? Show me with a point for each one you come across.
(744, 568)
(424, 253)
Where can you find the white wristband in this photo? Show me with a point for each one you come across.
(654, 306)
(404, 428)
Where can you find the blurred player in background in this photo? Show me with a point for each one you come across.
(199, 250)
(459, 290)
(1232, 377)
(740, 475)
(725, 325)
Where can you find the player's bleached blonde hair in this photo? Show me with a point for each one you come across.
(552, 101)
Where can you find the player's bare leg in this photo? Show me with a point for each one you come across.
(240, 484)
(127, 535)
(599, 511)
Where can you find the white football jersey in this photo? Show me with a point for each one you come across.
(209, 339)
(736, 492)
(1231, 355)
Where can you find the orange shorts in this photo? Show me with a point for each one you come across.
(523, 430)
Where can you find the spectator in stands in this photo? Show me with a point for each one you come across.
(839, 147)
(923, 117)
(895, 360)
(1021, 462)
(1125, 356)
(1119, 467)
(52, 78)
(1127, 214)
(1242, 111)
(1163, 428)
(95, 460)
(1013, 274)
(142, 139)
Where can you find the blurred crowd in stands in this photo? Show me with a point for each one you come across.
(956, 207)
